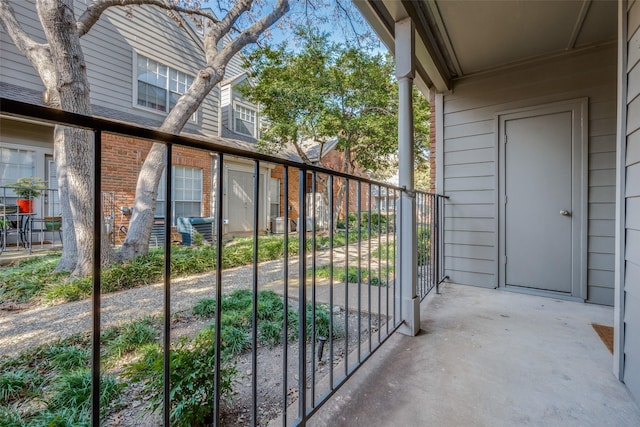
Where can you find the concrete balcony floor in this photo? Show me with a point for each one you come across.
(486, 357)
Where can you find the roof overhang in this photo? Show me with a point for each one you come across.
(457, 39)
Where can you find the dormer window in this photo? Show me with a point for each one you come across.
(244, 120)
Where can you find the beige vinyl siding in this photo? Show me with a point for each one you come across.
(631, 204)
(470, 161)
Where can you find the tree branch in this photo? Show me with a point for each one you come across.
(95, 10)
(39, 55)
(213, 37)
(301, 153)
(251, 34)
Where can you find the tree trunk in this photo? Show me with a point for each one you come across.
(141, 223)
(70, 249)
(75, 151)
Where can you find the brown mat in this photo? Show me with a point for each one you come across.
(606, 335)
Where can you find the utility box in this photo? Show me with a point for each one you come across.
(157, 233)
(277, 225)
(188, 227)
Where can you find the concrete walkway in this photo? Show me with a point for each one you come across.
(489, 358)
(30, 328)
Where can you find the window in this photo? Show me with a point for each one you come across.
(274, 198)
(187, 193)
(15, 163)
(159, 86)
(244, 120)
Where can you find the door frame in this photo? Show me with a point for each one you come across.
(239, 165)
(579, 109)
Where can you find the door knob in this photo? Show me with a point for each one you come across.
(565, 212)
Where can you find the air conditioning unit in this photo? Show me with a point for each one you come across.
(277, 225)
(188, 227)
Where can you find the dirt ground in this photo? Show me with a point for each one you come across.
(238, 411)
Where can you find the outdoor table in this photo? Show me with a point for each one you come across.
(15, 222)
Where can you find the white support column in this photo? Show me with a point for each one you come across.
(408, 266)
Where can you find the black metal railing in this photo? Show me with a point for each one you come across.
(336, 284)
(41, 227)
(22, 227)
(430, 241)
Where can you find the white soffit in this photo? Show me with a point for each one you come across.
(466, 37)
(487, 34)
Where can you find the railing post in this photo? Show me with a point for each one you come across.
(408, 266)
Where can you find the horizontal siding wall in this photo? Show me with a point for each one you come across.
(109, 51)
(631, 375)
(14, 67)
(470, 161)
(151, 33)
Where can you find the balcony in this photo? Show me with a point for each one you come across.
(481, 357)
(311, 316)
(486, 357)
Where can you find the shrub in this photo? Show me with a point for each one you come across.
(73, 391)
(424, 245)
(205, 307)
(130, 336)
(192, 378)
(16, 384)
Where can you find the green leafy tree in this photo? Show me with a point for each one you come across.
(324, 91)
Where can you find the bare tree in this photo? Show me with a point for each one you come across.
(60, 64)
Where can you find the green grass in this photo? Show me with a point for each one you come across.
(129, 337)
(26, 280)
(51, 385)
(33, 280)
(73, 390)
(384, 250)
(18, 383)
(193, 360)
(340, 274)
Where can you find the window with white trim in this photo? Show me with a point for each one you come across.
(16, 163)
(244, 120)
(158, 86)
(187, 193)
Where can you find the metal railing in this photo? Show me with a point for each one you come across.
(430, 242)
(342, 278)
(21, 230)
(44, 225)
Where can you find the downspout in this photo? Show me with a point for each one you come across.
(407, 268)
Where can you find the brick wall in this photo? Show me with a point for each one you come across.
(332, 160)
(122, 158)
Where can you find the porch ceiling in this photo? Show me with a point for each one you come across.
(456, 38)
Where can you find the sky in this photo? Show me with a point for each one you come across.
(340, 29)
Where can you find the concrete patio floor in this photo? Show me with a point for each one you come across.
(486, 357)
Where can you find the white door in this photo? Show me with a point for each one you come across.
(240, 199)
(538, 202)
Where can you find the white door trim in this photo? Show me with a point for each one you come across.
(247, 167)
(579, 185)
